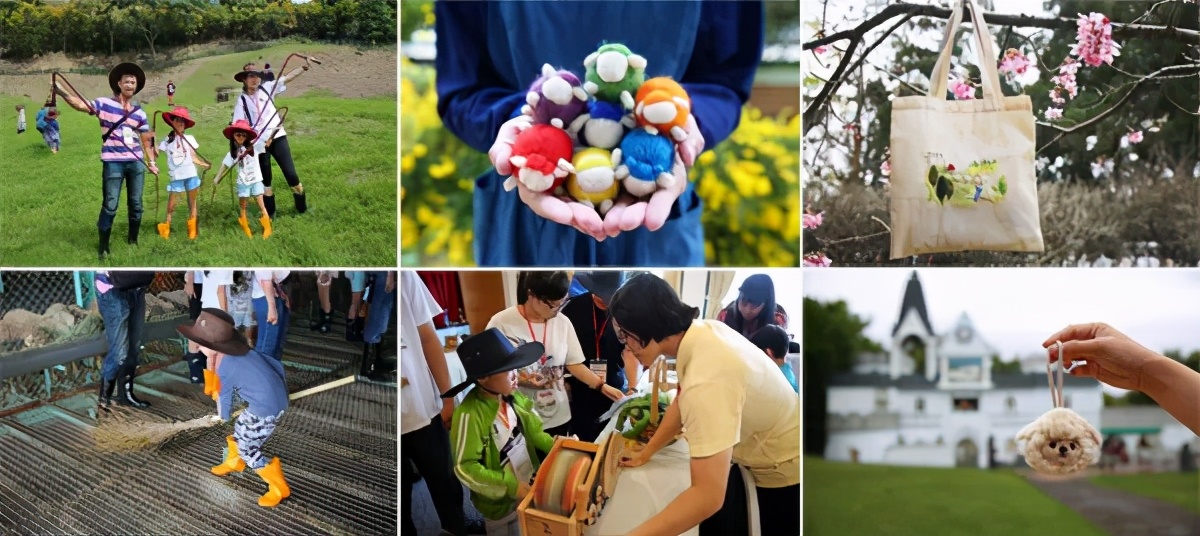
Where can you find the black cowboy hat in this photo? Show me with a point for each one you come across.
(215, 329)
(601, 283)
(249, 69)
(491, 352)
(122, 69)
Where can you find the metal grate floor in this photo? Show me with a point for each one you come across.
(338, 450)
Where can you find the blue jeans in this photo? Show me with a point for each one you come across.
(271, 336)
(379, 315)
(133, 175)
(124, 314)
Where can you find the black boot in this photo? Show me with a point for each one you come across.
(104, 398)
(301, 202)
(367, 367)
(354, 330)
(134, 227)
(104, 235)
(125, 396)
(269, 202)
(380, 367)
(322, 322)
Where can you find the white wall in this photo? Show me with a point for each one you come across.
(871, 445)
(920, 455)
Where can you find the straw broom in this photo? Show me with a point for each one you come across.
(129, 436)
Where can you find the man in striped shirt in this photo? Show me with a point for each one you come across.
(125, 142)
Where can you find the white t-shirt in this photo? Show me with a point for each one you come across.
(256, 290)
(247, 168)
(543, 381)
(214, 279)
(420, 400)
(263, 115)
(179, 156)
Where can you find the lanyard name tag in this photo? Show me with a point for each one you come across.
(599, 368)
(517, 457)
(127, 133)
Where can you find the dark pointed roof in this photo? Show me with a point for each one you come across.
(914, 302)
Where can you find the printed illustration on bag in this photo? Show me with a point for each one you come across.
(964, 187)
(545, 381)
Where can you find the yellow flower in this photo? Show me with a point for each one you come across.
(707, 158)
(748, 153)
(407, 163)
(420, 150)
(409, 234)
(772, 217)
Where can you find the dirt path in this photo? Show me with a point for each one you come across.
(1117, 512)
(345, 71)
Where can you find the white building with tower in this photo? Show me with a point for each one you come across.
(933, 399)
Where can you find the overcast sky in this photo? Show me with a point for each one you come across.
(1015, 309)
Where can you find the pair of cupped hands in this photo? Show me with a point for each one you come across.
(628, 212)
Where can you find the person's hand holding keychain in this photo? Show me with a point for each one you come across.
(583, 218)
(629, 213)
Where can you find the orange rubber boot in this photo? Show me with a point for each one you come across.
(277, 488)
(266, 223)
(233, 463)
(164, 230)
(191, 223)
(245, 226)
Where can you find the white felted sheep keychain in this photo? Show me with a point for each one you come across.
(1060, 441)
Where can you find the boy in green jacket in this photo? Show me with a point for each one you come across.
(496, 435)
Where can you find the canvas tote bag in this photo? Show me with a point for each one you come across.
(963, 171)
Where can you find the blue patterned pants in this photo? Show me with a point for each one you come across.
(250, 432)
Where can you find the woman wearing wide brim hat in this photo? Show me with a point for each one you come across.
(256, 105)
(126, 140)
(259, 381)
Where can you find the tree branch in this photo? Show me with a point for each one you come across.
(1023, 21)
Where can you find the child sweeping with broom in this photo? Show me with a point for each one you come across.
(182, 160)
(249, 175)
(258, 380)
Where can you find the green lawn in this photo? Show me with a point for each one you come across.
(1178, 488)
(345, 154)
(842, 498)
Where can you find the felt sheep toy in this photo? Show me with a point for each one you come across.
(541, 158)
(644, 162)
(605, 124)
(593, 183)
(1060, 442)
(663, 106)
(614, 74)
(556, 98)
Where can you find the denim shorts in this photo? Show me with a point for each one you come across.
(250, 190)
(183, 185)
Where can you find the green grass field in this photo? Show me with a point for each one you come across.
(1178, 488)
(344, 150)
(841, 498)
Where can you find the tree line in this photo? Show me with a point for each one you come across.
(29, 28)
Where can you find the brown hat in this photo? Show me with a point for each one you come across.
(214, 329)
(122, 69)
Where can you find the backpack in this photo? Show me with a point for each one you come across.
(127, 280)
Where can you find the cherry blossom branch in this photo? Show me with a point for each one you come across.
(1156, 75)
(857, 34)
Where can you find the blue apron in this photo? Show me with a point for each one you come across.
(507, 232)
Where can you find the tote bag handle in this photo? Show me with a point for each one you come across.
(992, 95)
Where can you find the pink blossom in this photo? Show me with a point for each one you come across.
(1056, 97)
(812, 221)
(821, 49)
(1135, 137)
(1014, 62)
(1065, 80)
(886, 168)
(1053, 114)
(962, 89)
(816, 260)
(1093, 41)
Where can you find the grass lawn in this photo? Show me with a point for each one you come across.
(344, 150)
(841, 498)
(1178, 488)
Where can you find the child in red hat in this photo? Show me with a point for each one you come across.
(181, 162)
(249, 176)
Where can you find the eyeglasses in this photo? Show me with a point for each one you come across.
(624, 337)
(554, 306)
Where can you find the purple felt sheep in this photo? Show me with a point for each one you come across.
(556, 98)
